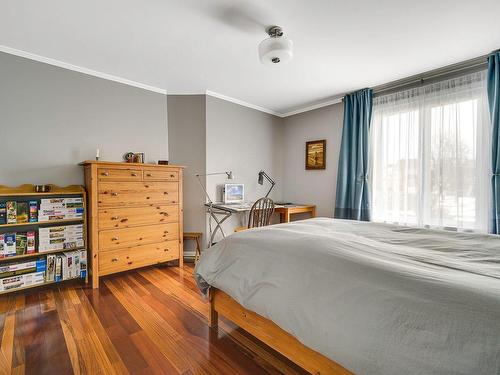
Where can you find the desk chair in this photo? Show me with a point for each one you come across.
(260, 214)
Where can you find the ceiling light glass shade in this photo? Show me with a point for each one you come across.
(275, 50)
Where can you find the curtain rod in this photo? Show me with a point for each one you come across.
(476, 63)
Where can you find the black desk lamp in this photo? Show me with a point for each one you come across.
(263, 174)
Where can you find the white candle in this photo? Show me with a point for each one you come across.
(97, 154)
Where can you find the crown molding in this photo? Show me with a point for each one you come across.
(326, 103)
(79, 69)
(242, 103)
(109, 77)
(275, 113)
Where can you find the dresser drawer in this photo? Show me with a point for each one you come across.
(138, 256)
(126, 237)
(110, 218)
(134, 193)
(150, 174)
(110, 174)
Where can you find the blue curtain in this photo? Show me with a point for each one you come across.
(353, 196)
(494, 101)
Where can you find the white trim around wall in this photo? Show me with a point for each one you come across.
(79, 69)
(326, 103)
(243, 103)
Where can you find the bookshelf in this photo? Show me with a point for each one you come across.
(27, 193)
(37, 254)
(41, 223)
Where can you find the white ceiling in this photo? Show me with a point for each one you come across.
(189, 46)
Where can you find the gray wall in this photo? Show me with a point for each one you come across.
(187, 146)
(244, 141)
(52, 118)
(312, 186)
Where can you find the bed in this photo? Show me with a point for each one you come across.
(339, 296)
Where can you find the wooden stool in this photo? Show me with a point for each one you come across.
(197, 237)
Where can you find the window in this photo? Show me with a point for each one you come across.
(430, 155)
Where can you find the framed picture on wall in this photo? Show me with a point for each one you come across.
(316, 154)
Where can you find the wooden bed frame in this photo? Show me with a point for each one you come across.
(269, 333)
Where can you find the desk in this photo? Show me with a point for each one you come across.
(221, 212)
(288, 210)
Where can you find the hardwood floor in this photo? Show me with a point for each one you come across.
(151, 321)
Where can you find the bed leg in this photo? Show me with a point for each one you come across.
(213, 319)
(213, 315)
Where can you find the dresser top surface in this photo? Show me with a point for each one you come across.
(116, 163)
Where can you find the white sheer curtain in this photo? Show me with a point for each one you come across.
(430, 155)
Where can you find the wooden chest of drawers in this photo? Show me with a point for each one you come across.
(135, 215)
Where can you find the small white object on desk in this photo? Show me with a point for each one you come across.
(97, 154)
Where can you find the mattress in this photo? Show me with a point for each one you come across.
(375, 298)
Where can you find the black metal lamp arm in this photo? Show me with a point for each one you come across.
(271, 181)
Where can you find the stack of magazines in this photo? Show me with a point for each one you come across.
(60, 209)
(63, 237)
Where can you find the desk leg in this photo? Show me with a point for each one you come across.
(286, 216)
(218, 227)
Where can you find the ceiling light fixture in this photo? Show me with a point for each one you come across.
(276, 49)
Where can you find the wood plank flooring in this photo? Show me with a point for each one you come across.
(150, 321)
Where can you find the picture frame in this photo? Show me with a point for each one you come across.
(316, 155)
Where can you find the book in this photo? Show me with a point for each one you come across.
(2, 250)
(58, 272)
(33, 211)
(30, 238)
(21, 243)
(60, 211)
(61, 246)
(11, 212)
(48, 237)
(60, 238)
(42, 218)
(3, 213)
(67, 266)
(9, 244)
(18, 268)
(22, 212)
(60, 201)
(50, 274)
(21, 281)
(83, 264)
(60, 232)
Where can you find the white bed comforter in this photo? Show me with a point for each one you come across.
(376, 298)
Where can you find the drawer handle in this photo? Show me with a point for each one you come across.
(114, 239)
(105, 174)
(129, 263)
(149, 175)
(114, 260)
(172, 175)
(114, 218)
(165, 192)
(114, 194)
(134, 174)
